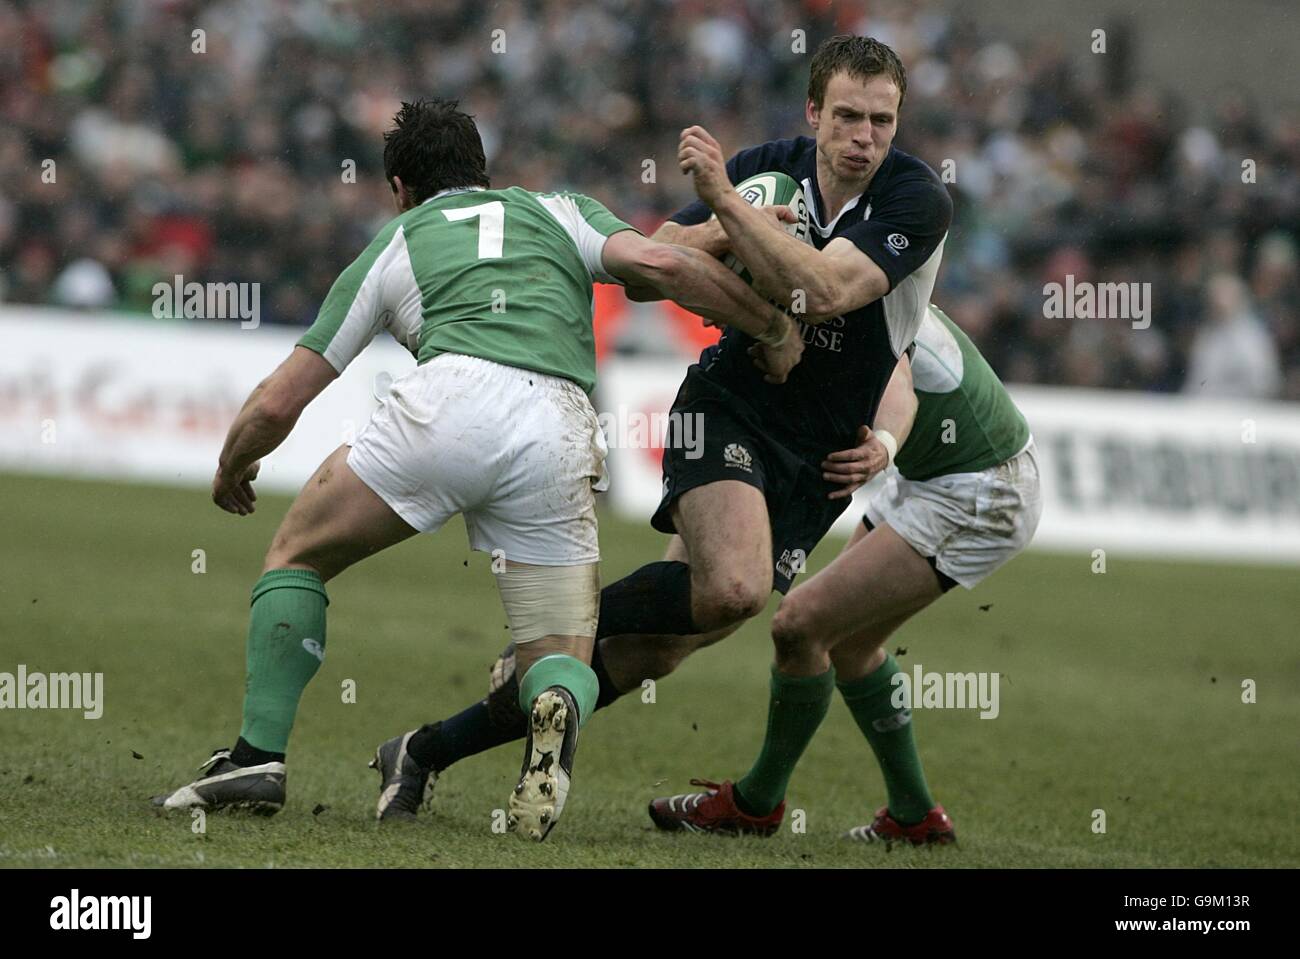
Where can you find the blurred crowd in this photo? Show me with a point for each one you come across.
(215, 140)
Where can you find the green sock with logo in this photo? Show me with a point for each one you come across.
(888, 728)
(796, 708)
(569, 672)
(286, 645)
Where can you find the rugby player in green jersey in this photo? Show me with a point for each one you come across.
(491, 291)
(963, 501)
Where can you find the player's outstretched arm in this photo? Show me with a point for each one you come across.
(377, 291)
(702, 285)
(266, 419)
(707, 237)
(876, 449)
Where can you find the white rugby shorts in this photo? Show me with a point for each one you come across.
(520, 454)
(968, 523)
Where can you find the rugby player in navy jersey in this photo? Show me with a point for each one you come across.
(746, 513)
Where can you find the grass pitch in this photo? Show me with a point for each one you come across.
(1120, 692)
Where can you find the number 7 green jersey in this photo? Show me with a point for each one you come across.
(504, 275)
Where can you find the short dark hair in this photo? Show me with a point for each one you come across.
(860, 57)
(434, 146)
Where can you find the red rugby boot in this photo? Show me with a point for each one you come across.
(713, 811)
(934, 830)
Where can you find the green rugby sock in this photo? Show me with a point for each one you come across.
(559, 669)
(797, 707)
(889, 731)
(286, 645)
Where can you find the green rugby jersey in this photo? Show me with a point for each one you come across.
(965, 419)
(504, 275)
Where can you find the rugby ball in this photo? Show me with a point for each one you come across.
(772, 189)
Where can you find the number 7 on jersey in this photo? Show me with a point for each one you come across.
(491, 226)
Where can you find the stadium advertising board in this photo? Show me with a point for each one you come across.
(90, 395)
(1137, 474)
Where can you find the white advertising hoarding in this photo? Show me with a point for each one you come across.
(1135, 473)
(1131, 473)
(91, 395)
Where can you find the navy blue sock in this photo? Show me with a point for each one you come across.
(437, 745)
(653, 600)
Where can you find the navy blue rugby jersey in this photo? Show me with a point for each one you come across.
(900, 222)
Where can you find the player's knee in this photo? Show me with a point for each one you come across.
(728, 602)
(792, 631)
